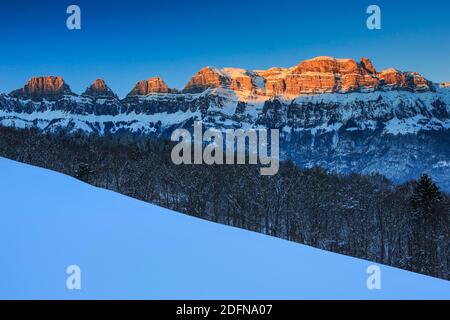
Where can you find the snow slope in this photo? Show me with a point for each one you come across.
(129, 249)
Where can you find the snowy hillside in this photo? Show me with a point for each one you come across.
(129, 249)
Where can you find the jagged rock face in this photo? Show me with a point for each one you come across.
(417, 82)
(274, 78)
(240, 79)
(205, 79)
(245, 81)
(397, 80)
(242, 83)
(393, 78)
(152, 85)
(367, 64)
(99, 89)
(140, 89)
(50, 88)
(329, 75)
(157, 85)
(314, 76)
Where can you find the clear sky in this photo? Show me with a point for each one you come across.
(126, 41)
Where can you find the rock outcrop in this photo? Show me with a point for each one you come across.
(314, 76)
(274, 80)
(152, 85)
(50, 88)
(205, 79)
(329, 75)
(240, 79)
(99, 89)
(368, 66)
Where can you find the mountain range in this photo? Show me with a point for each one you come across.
(339, 114)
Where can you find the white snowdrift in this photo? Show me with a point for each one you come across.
(129, 249)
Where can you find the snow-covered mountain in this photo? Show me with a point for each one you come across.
(336, 113)
(129, 249)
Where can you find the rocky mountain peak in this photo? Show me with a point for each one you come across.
(329, 75)
(398, 80)
(157, 85)
(206, 78)
(99, 89)
(152, 85)
(367, 65)
(38, 88)
(318, 75)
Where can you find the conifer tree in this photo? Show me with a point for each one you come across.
(427, 214)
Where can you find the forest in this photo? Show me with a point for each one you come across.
(365, 216)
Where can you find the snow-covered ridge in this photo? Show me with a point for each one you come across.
(402, 112)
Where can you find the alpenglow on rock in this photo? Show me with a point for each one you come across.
(314, 76)
(99, 89)
(38, 88)
(152, 85)
(205, 79)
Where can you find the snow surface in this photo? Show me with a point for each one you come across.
(323, 58)
(130, 249)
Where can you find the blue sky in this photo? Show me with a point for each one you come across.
(126, 41)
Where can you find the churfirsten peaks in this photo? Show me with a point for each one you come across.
(99, 89)
(38, 88)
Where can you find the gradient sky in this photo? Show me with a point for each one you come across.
(126, 41)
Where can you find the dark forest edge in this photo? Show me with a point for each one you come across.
(365, 216)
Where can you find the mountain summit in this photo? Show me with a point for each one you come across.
(313, 76)
(50, 88)
(152, 85)
(207, 78)
(99, 89)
